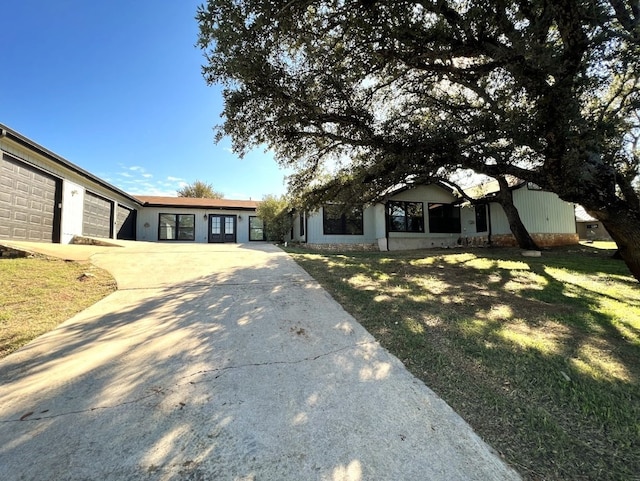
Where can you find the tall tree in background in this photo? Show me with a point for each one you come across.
(274, 213)
(391, 91)
(200, 190)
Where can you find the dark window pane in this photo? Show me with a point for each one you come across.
(444, 219)
(339, 220)
(256, 229)
(406, 216)
(186, 227)
(176, 227)
(481, 218)
(167, 224)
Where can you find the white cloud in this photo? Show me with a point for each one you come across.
(175, 179)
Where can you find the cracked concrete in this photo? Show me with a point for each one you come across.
(223, 362)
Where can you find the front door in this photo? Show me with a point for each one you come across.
(222, 228)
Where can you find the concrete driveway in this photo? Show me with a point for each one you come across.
(223, 362)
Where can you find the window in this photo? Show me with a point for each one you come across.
(177, 227)
(301, 224)
(337, 219)
(405, 216)
(256, 229)
(481, 218)
(444, 219)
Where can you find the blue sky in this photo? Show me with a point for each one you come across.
(115, 87)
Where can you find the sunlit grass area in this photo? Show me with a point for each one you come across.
(540, 355)
(37, 294)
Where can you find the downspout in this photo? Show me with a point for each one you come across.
(490, 224)
(306, 228)
(386, 225)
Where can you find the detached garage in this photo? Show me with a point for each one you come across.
(45, 198)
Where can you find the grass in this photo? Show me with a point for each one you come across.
(540, 355)
(39, 293)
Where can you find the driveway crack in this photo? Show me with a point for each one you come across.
(276, 363)
(33, 416)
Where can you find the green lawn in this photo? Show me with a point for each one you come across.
(540, 355)
(38, 293)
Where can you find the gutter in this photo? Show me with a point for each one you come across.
(195, 206)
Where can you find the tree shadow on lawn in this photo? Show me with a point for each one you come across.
(529, 357)
(224, 378)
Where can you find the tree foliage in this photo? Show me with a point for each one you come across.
(200, 190)
(274, 212)
(381, 93)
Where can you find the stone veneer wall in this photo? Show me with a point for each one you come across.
(342, 247)
(502, 240)
(543, 240)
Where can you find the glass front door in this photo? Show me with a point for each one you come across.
(222, 228)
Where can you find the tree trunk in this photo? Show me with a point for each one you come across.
(519, 231)
(626, 233)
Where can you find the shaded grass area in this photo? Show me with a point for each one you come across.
(540, 355)
(39, 293)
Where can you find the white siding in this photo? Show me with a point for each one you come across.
(541, 213)
(316, 235)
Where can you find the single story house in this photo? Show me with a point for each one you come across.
(199, 220)
(588, 227)
(432, 215)
(46, 198)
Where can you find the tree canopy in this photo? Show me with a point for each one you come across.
(381, 93)
(274, 212)
(199, 189)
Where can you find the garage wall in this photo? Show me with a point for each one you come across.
(72, 188)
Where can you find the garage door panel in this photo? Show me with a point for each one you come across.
(28, 201)
(97, 216)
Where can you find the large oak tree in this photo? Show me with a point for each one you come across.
(389, 92)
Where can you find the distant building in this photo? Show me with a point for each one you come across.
(588, 227)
